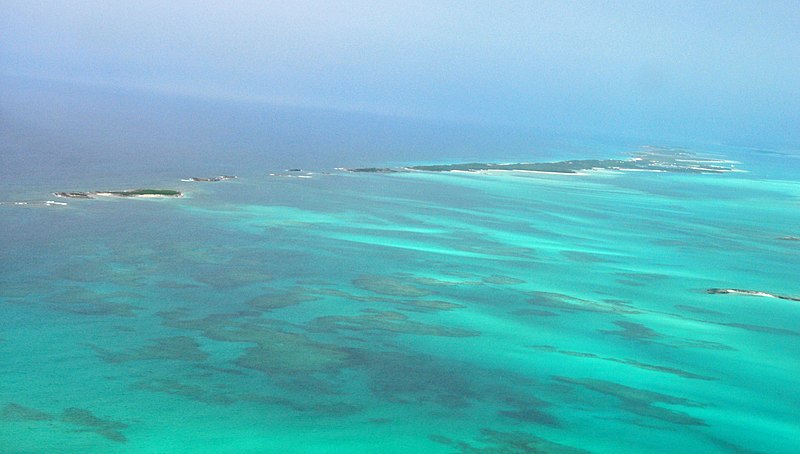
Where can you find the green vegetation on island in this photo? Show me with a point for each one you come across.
(145, 192)
(211, 179)
(374, 170)
(130, 193)
(651, 159)
(556, 167)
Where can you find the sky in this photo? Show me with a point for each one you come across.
(728, 67)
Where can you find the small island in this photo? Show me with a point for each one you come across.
(374, 170)
(736, 291)
(130, 193)
(650, 160)
(210, 179)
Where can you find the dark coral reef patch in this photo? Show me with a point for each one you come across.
(82, 301)
(180, 348)
(275, 350)
(16, 412)
(493, 441)
(394, 322)
(386, 285)
(192, 392)
(640, 401)
(88, 422)
(272, 301)
(567, 303)
(626, 361)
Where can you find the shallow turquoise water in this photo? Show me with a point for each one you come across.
(407, 312)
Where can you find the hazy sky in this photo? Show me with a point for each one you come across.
(654, 64)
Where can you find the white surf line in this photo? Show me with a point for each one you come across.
(34, 203)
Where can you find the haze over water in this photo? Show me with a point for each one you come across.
(322, 310)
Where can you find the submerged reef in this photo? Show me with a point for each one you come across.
(416, 379)
(176, 348)
(130, 193)
(637, 332)
(584, 257)
(174, 387)
(762, 329)
(493, 441)
(274, 350)
(386, 285)
(640, 401)
(83, 301)
(502, 280)
(632, 330)
(420, 379)
(626, 361)
(318, 408)
(567, 303)
(427, 305)
(91, 423)
(268, 302)
(651, 159)
(531, 415)
(744, 326)
(84, 419)
(697, 310)
(16, 412)
(232, 275)
(388, 321)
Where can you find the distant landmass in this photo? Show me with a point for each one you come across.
(131, 193)
(210, 179)
(652, 160)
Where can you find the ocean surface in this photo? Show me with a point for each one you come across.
(327, 311)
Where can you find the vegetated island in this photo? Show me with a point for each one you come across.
(378, 169)
(205, 179)
(736, 291)
(651, 160)
(296, 172)
(130, 193)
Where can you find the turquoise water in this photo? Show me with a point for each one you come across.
(411, 312)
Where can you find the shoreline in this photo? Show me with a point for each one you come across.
(126, 194)
(736, 291)
(658, 161)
